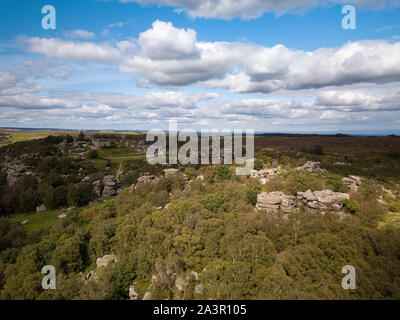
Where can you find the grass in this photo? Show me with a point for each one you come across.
(117, 152)
(37, 221)
(118, 132)
(390, 220)
(29, 135)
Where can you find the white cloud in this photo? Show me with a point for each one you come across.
(250, 9)
(358, 101)
(76, 51)
(170, 57)
(80, 34)
(165, 42)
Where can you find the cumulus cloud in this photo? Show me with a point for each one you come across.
(80, 34)
(250, 9)
(165, 42)
(171, 57)
(76, 51)
(358, 101)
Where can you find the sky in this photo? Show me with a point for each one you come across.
(266, 65)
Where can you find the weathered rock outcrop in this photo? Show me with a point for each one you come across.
(97, 188)
(325, 200)
(353, 182)
(265, 175)
(146, 179)
(107, 187)
(133, 292)
(275, 201)
(41, 208)
(103, 262)
(16, 169)
(111, 186)
(311, 166)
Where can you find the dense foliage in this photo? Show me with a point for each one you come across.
(209, 227)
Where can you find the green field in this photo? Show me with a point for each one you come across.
(117, 152)
(17, 135)
(37, 221)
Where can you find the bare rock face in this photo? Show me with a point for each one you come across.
(41, 208)
(107, 187)
(325, 200)
(133, 292)
(275, 201)
(103, 262)
(97, 188)
(146, 179)
(265, 175)
(353, 182)
(311, 166)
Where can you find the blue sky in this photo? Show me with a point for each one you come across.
(126, 65)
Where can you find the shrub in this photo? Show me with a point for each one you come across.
(350, 206)
(301, 181)
(224, 171)
(80, 195)
(258, 164)
(60, 196)
(214, 201)
(252, 193)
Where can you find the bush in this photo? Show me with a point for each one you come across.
(301, 181)
(60, 196)
(224, 171)
(252, 193)
(350, 206)
(258, 164)
(80, 195)
(214, 201)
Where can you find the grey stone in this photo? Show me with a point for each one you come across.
(41, 208)
(103, 262)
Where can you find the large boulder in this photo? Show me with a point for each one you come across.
(111, 186)
(145, 179)
(106, 260)
(311, 166)
(352, 182)
(97, 188)
(325, 200)
(275, 201)
(133, 292)
(41, 208)
(265, 175)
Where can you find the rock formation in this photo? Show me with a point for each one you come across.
(353, 182)
(41, 208)
(107, 187)
(106, 260)
(265, 175)
(274, 201)
(146, 179)
(111, 186)
(325, 200)
(311, 166)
